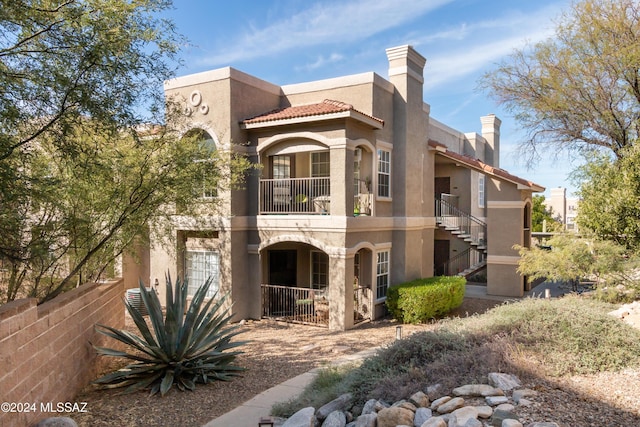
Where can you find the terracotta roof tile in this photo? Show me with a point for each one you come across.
(476, 163)
(325, 107)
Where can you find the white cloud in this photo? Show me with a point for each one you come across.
(324, 23)
(321, 61)
(485, 43)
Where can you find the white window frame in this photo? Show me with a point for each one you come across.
(214, 271)
(481, 190)
(312, 162)
(383, 273)
(383, 171)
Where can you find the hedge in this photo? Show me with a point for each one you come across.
(423, 299)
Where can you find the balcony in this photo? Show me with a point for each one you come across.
(309, 196)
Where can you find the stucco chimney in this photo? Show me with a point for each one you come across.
(406, 64)
(491, 132)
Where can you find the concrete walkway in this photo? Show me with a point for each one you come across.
(249, 413)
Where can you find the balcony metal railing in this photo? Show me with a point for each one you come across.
(466, 226)
(467, 261)
(295, 305)
(295, 195)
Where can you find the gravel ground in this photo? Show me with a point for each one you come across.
(277, 352)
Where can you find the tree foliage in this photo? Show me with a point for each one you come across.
(541, 217)
(579, 90)
(610, 197)
(567, 257)
(81, 177)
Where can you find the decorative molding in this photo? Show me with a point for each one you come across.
(503, 259)
(506, 204)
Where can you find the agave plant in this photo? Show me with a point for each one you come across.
(181, 349)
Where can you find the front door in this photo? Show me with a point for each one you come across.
(442, 185)
(440, 256)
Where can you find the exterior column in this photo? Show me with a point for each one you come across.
(340, 292)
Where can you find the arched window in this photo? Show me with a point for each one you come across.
(208, 185)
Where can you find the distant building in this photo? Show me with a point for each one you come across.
(563, 209)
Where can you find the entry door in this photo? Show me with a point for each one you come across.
(440, 256)
(283, 267)
(442, 185)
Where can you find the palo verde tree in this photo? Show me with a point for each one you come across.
(80, 178)
(610, 197)
(579, 90)
(541, 216)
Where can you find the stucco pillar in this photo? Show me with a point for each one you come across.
(340, 292)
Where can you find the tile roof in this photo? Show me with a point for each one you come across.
(325, 107)
(479, 165)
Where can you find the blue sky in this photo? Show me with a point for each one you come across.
(290, 41)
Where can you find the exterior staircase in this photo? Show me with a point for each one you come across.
(465, 227)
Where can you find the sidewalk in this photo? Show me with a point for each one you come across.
(249, 413)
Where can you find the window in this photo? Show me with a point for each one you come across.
(382, 274)
(481, 191)
(281, 167)
(208, 182)
(200, 265)
(320, 164)
(319, 270)
(384, 173)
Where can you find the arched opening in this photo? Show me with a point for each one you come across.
(295, 280)
(208, 184)
(362, 181)
(362, 289)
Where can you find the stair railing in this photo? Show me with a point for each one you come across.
(472, 259)
(471, 228)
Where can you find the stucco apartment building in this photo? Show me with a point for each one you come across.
(563, 209)
(359, 188)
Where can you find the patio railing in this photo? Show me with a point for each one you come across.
(295, 195)
(295, 305)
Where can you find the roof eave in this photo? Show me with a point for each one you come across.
(350, 114)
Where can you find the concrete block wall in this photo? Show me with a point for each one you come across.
(45, 351)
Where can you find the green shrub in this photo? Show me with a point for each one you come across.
(180, 348)
(423, 299)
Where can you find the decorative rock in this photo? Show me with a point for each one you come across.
(507, 407)
(477, 390)
(391, 417)
(439, 402)
(524, 392)
(335, 419)
(484, 411)
(407, 405)
(434, 391)
(422, 415)
(366, 420)
(338, 404)
(473, 422)
(303, 418)
(499, 416)
(504, 382)
(451, 405)
(462, 415)
(511, 423)
(380, 405)
(57, 422)
(543, 424)
(435, 422)
(495, 400)
(419, 399)
(369, 407)
(524, 402)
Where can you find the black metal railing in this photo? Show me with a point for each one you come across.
(466, 226)
(362, 304)
(467, 261)
(295, 195)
